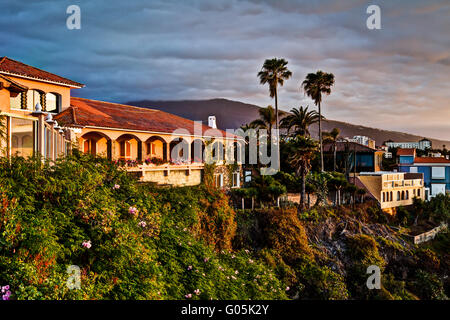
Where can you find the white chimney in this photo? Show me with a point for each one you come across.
(212, 122)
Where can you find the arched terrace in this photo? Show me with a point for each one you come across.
(128, 147)
(216, 151)
(198, 151)
(97, 143)
(179, 150)
(155, 147)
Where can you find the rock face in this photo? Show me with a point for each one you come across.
(330, 238)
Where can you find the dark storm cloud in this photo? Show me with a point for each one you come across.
(395, 78)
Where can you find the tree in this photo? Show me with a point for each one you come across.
(332, 137)
(362, 193)
(337, 182)
(301, 149)
(314, 86)
(300, 119)
(266, 119)
(274, 72)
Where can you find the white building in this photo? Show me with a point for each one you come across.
(422, 144)
(366, 141)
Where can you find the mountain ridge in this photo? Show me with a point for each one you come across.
(231, 114)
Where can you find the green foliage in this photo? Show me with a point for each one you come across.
(428, 286)
(321, 282)
(142, 239)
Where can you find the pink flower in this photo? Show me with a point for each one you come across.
(188, 296)
(142, 224)
(250, 260)
(287, 288)
(197, 291)
(189, 268)
(87, 244)
(206, 259)
(236, 272)
(116, 186)
(133, 211)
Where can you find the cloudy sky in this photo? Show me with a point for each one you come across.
(395, 78)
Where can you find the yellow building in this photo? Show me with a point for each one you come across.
(41, 116)
(391, 189)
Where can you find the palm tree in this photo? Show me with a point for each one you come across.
(301, 150)
(332, 137)
(300, 119)
(314, 85)
(266, 119)
(274, 72)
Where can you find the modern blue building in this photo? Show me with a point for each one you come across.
(436, 171)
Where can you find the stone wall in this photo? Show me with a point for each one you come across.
(174, 177)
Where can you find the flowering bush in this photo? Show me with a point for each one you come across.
(155, 160)
(130, 242)
(5, 293)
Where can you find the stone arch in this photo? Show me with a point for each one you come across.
(97, 143)
(155, 147)
(129, 147)
(198, 150)
(179, 150)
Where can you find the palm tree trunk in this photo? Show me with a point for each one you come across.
(334, 157)
(302, 196)
(320, 138)
(276, 126)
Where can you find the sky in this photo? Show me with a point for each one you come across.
(395, 78)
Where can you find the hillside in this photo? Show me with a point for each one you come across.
(232, 114)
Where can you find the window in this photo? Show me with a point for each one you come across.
(437, 188)
(15, 102)
(391, 198)
(236, 180)
(22, 137)
(86, 146)
(125, 149)
(151, 148)
(384, 196)
(418, 192)
(413, 169)
(407, 194)
(438, 173)
(33, 97)
(52, 102)
(219, 180)
(398, 195)
(248, 176)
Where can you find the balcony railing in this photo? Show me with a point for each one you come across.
(402, 183)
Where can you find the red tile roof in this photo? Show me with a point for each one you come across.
(430, 160)
(94, 113)
(13, 67)
(406, 152)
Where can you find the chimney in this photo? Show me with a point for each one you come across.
(212, 122)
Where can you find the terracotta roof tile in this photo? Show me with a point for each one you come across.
(94, 113)
(406, 152)
(13, 67)
(430, 160)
